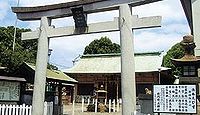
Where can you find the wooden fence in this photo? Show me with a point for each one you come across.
(24, 109)
(113, 105)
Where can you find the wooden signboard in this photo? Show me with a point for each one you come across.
(9, 91)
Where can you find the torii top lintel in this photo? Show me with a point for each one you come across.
(64, 9)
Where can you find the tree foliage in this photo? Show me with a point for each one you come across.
(52, 67)
(24, 50)
(176, 52)
(102, 46)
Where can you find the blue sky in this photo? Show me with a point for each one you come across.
(174, 26)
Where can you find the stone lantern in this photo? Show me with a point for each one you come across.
(189, 63)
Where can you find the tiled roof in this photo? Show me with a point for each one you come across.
(111, 63)
(55, 74)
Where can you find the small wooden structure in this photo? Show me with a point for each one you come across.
(58, 86)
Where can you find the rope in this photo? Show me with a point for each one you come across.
(15, 31)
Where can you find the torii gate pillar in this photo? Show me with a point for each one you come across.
(127, 61)
(41, 68)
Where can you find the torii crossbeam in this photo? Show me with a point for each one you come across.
(125, 23)
(109, 26)
(64, 9)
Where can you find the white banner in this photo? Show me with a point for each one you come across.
(174, 99)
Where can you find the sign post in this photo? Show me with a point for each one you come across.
(174, 99)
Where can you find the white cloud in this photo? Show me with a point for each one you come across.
(103, 16)
(63, 22)
(4, 7)
(33, 25)
(148, 41)
(168, 9)
(73, 43)
(179, 28)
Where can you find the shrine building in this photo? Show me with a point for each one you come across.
(102, 72)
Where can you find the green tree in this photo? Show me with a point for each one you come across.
(176, 52)
(102, 46)
(52, 67)
(24, 50)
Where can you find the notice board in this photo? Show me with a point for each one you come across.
(174, 99)
(9, 91)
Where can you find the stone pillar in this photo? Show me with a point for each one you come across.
(127, 61)
(40, 71)
(196, 30)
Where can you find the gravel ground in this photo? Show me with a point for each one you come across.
(67, 110)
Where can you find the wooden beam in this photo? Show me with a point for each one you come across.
(110, 26)
(64, 9)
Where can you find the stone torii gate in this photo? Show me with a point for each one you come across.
(125, 23)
